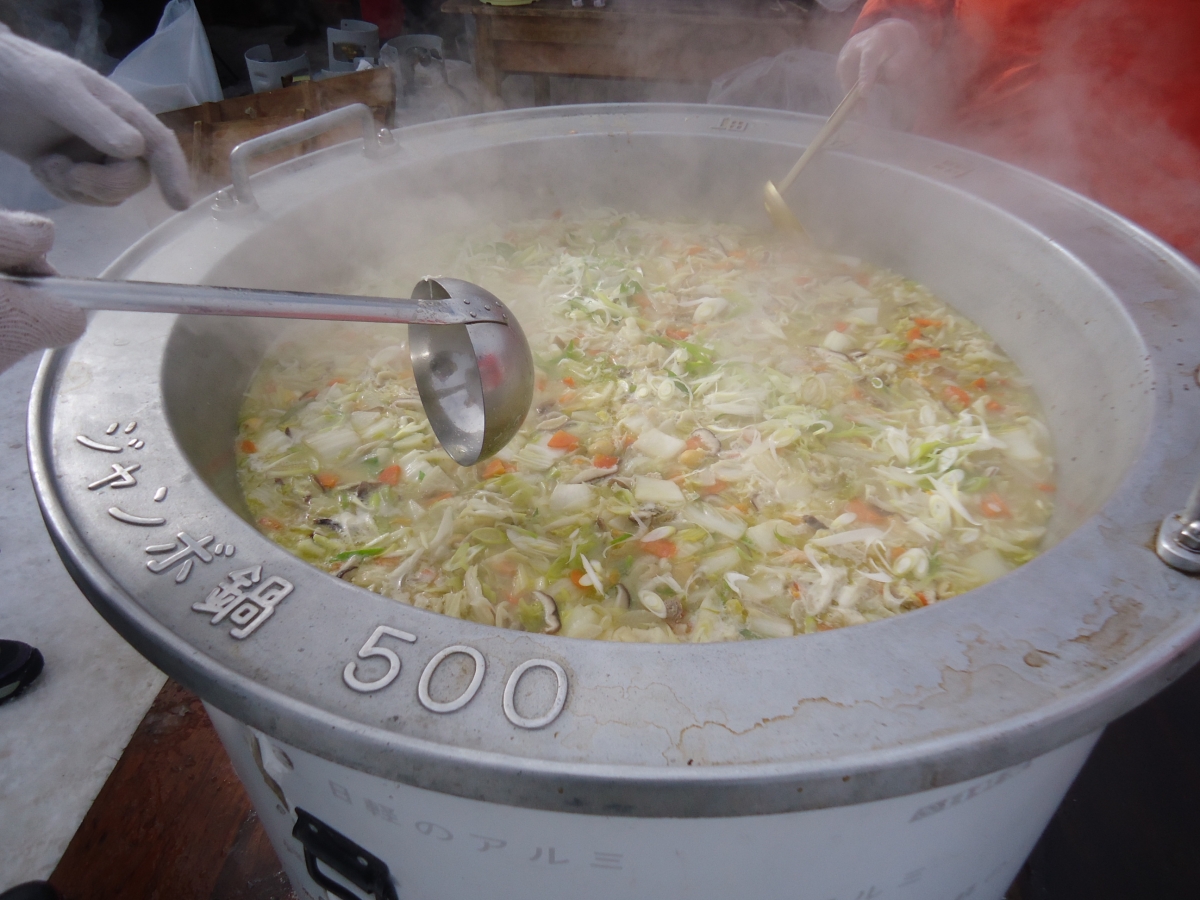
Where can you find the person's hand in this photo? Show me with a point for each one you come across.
(30, 319)
(886, 52)
(45, 95)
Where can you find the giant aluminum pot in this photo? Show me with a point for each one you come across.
(421, 756)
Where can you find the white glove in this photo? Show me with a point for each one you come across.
(886, 52)
(46, 97)
(29, 319)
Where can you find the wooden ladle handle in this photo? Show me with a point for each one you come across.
(826, 132)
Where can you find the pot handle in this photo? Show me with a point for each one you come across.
(364, 870)
(239, 197)
(1178, 543)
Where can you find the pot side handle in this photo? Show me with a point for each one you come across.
(239, 198)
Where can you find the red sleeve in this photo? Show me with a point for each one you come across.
(930, 16)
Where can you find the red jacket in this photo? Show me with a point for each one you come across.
(1100, 95)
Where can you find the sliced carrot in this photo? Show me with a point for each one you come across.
(438, 498)
(327, 480)
(641, 300)
(390, 475)
(954, 392)
(928, 323)
(678, 334)
(563, 440)
(914, 334)
(695, 250)
(557, 214)
(1046, 487)
(840, 326)
(577, 576)
(566, 397)
(743, 507)
(994, 507)
(337, 380)
(603, 461)
(738, 254)
(493, 468)
(309, 395)
(980, 383)
(856, 393)
(994, 406)
(661, 549)
(897, 552)
(866, 512)
(569, 381)
(802, 280)
(862, 279)
(715, 488)
(921, 596)
(922, 353)
(248, 447)
(540, 383)
(270, 523)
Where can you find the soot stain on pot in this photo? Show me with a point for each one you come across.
(650, 701)
(77, 376)
(1114, 638)
(989, 673)
(996, 680)
(693, 747)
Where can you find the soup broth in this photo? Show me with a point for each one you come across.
(733, 436)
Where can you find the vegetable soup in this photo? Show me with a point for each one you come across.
(733, 436)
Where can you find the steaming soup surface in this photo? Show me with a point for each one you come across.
(732, 437)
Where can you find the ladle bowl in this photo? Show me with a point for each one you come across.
(476, 380)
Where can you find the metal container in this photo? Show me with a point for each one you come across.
(421, 756)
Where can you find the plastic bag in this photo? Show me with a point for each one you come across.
(174, 67)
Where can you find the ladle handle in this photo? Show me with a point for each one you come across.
(207, 300)
(834, 122)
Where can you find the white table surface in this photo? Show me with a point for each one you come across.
(61, 738)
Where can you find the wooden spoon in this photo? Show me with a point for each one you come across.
(777, 209)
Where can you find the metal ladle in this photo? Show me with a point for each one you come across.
(777, 209)
(469, 355)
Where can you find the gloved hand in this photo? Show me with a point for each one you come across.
(30, 319)
(886, 52)
(46, 97)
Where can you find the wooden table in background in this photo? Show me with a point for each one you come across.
(664, 40)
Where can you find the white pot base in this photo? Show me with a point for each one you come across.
(951, 843)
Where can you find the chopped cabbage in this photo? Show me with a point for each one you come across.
(734, 436)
